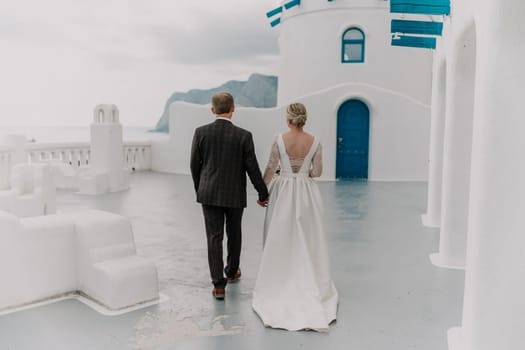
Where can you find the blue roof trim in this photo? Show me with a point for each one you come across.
(414, 41)
(427, 7)
(275, 22)
(292, 3)
(416, 27)
(274, 12)
(279, 9)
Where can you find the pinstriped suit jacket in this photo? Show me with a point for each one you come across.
(221, 156)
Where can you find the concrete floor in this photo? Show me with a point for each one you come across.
(391, 297)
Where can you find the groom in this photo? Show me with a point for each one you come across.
(221, 156)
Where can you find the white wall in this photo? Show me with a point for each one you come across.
(398, 137)
(161, 153)
(173, 155)
(310, 51)
(493, 311)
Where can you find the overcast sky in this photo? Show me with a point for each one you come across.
(60, 58)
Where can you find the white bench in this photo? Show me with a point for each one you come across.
(91, 254)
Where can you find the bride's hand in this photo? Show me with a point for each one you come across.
(263, 204)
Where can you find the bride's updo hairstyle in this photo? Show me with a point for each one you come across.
(296, 114)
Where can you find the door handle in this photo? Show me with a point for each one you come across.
(340, 140)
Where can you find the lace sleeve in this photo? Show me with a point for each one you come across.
(272, 165)
(317, 163)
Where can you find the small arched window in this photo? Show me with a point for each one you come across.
(353, 46)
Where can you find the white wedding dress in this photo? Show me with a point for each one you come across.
(294, 289)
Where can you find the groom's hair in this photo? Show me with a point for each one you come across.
(222, 102)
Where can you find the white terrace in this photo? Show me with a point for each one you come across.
(126, 266)
(391, 296)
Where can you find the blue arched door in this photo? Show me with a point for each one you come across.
(353, 129)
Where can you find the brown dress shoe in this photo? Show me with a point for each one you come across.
(218, 293)
(236, 277)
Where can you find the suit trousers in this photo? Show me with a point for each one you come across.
(214, 219)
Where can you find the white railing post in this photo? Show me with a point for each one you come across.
(137, 155)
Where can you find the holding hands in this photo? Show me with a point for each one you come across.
(263, 204)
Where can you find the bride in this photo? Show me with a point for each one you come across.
(294, 289)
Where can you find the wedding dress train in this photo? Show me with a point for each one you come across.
(294, 289)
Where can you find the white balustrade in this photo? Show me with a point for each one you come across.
(137, 154)
(74, 154)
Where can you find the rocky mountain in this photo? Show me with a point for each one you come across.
(258, 91)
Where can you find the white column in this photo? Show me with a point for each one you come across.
(107, 147)
(494, 302)
(437, 131)
(457, 151)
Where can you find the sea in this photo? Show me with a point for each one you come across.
(74, 134)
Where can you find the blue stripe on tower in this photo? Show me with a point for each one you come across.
(414, 41)
(426, 7)
(275, 22)
(291, 4)
(416, 27)
(274, 12)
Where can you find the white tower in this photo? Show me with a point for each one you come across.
(369, 101)
(106, 172)
(326, 43)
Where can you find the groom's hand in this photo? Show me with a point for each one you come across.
(263, 204)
